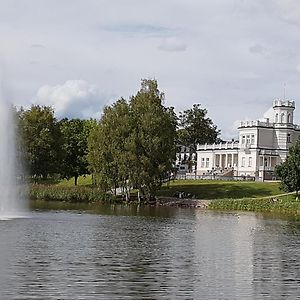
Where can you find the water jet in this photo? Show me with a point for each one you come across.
(12, 200)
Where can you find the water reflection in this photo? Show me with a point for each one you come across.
(276, 259)
(148, 253)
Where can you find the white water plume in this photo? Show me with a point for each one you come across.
(12, 200)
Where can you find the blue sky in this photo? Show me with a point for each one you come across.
(232, 56)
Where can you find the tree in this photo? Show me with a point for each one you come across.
(196, 128)
(42, 140)
(289, 170)
(134, 142)
(152, 140)
(75, 133)
(108, 152)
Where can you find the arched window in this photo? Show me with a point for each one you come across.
(289, 119)
(276, 118)
(282, 118)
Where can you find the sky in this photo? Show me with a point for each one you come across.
(234, 57)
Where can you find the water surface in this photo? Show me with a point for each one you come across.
(149, 253)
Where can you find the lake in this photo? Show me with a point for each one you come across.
(118, 252)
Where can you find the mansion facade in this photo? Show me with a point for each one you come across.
(261, 146)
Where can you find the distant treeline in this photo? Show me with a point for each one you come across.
(133, 145)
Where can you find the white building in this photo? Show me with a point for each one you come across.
(184, 159)
(261, 146)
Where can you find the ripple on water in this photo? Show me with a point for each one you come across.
(184, 254)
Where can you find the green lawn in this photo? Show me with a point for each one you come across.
(82, 180)
(208, 189)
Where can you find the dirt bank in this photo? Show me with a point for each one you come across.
(176, 202)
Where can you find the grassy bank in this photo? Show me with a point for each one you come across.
(216, 189)
(279, 205)
(70, 194)
(65, 190)
(226, 195)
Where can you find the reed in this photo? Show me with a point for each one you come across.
(281, 205)
(78, 194)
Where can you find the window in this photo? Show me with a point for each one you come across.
(282, 118)
(250, 162)
(252, 139)
(207, 163)
(276, 118)
(243, 161)
(243, 139)
(288, 139)
(248, 139)
(289, 119)
(202, 162)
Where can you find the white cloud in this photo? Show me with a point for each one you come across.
(73, 99)
(172, 44)
(289, 10)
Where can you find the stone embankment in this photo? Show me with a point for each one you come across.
(176, 202)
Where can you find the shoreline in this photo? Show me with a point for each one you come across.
(184, 202)
(285, 204)
(221, 199)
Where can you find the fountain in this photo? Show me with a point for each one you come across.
(12, 203)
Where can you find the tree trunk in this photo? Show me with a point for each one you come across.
(75, 179)
(139, 198)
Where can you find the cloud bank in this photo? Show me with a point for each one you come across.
(73, 99)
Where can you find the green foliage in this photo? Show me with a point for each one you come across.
(196, 127)
(281, 205)
(42, 140)
(75, 133)
(108, 147)
(152, 139)
(289, 170)
(134, 142)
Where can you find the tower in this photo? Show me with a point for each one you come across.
(283, 112)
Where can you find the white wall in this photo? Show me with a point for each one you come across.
(247, 162)
(205, 157)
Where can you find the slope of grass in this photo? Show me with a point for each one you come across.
(85, 180)
(208, 189)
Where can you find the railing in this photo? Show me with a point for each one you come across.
(228, 145)
(284, 103)
(268, 152)
(256, 123)
(190, 176)
(262, 168)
